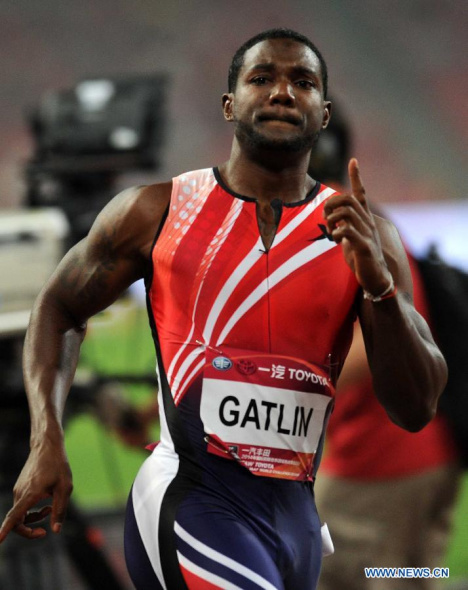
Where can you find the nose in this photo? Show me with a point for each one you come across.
(282, 93)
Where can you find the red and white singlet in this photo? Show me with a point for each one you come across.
(249, 343)
(256, 334)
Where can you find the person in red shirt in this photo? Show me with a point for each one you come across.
(386, 494)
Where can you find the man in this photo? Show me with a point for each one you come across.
(254, 274)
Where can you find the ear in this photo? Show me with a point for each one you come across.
(228, 102)
(327, 110)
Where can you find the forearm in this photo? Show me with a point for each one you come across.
(408, 370)
(91, 276)
(51, 354)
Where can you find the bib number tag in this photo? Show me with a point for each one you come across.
(266, 411)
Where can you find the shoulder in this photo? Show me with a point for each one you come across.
(133, 217)
(191, 183)
(141, 200)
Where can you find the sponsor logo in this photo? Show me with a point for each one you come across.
(300, 375)
(246, 367)
(222, 363)
(282, 372)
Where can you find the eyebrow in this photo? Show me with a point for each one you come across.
(269, 67)
(265, 66)
(306, 71)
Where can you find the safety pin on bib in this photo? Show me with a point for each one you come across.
(209, 347)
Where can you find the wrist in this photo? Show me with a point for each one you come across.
(49, 431)
(389, 292)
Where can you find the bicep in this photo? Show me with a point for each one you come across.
(115, 254)
(86, 282)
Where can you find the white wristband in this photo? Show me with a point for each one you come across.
(390, 291)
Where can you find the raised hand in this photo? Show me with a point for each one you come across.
(352, 225)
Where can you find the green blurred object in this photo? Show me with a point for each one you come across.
(118, 342)
(457, 557)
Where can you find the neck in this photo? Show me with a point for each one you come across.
(267, 175)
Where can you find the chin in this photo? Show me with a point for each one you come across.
(284, 144)
(259, 140)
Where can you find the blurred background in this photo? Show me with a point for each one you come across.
(98, 96)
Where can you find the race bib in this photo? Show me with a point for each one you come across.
(266, 411)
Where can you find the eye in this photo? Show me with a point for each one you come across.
(306, 84)
(259, 80)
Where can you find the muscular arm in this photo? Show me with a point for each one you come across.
(408, 370)
(90, 277)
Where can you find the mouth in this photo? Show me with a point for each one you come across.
(288, 119)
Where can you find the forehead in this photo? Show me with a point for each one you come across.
(281, 52)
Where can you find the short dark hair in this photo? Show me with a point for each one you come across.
(281, 33)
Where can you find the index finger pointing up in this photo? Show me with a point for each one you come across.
(356, 183)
